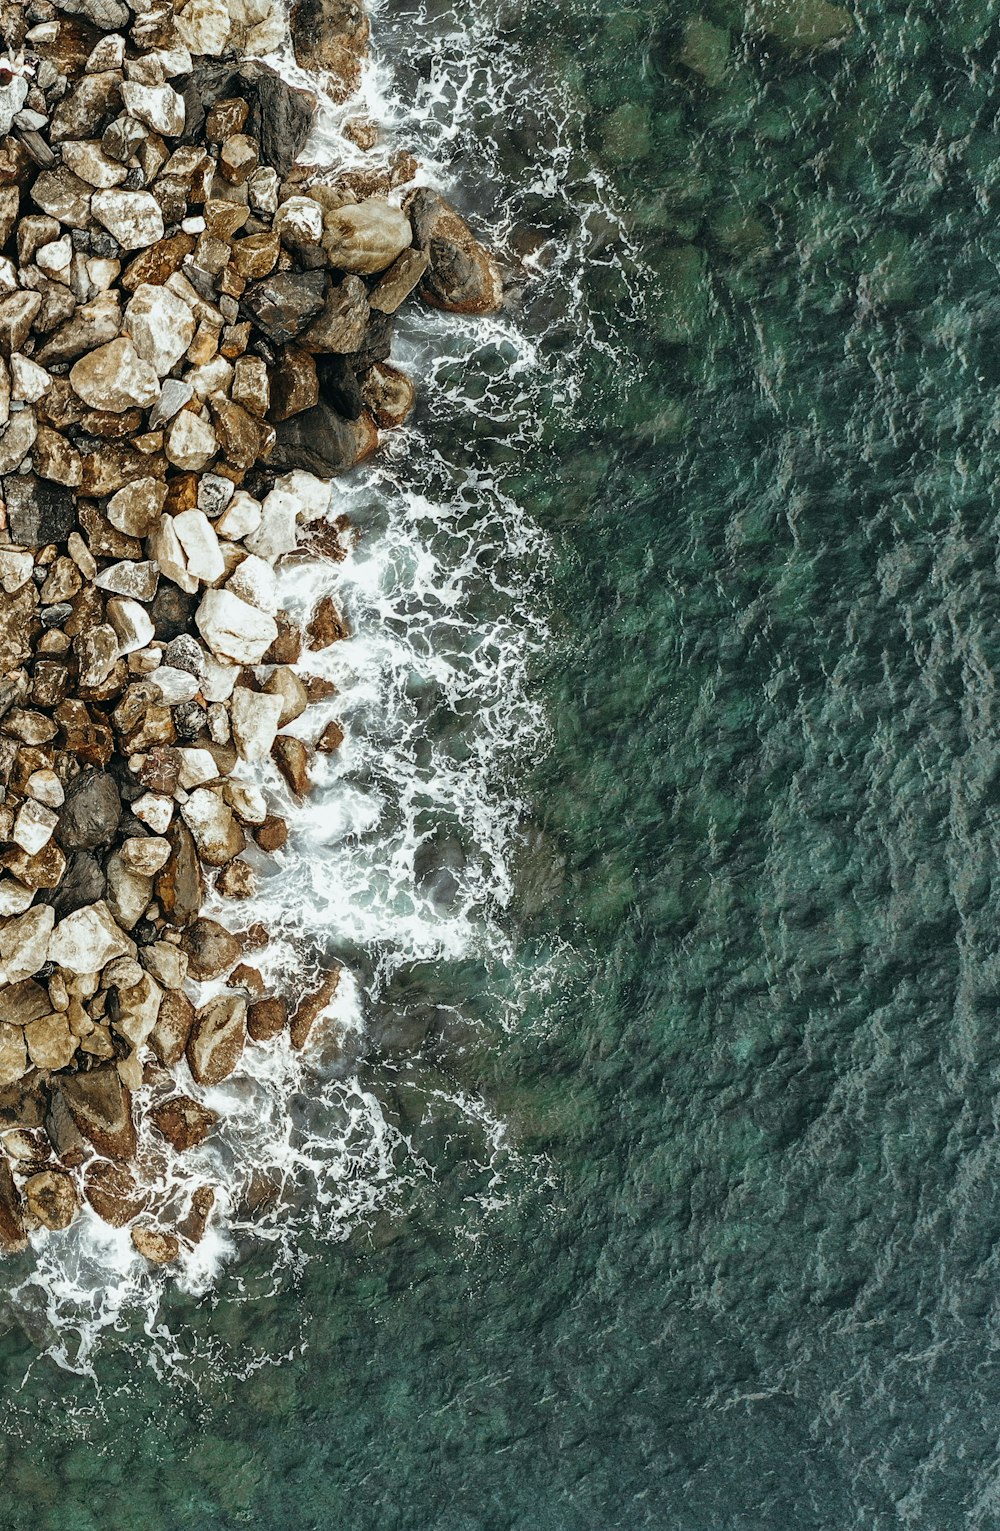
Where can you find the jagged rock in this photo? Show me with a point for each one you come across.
(161, 326)
(51, 1044)
(216, 833)
(86, 940)
(291, 756)
(133, 218)
(211, 949)
(183, 1121)
(169, 1036)
(12, 1234)
(13, 1053)
(115, 378)
(390, 395)
(323, 442)
(234, 630)
(38, 510)
(154, 1244)
(462, 276)
(180, 887)
(282, 305)
(217, 1039)
(25, 943)
(366, 237)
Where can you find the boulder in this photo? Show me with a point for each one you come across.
(217, 1039)
(101, 1108)
(267, 1018)
(115, 378)
(180, 887)
(310, 1008)
(216, 832)
(155, 1244)
(113, 1193)
(210, 948)
(12, 1235)
(462, 277)
(25, 943)
(86, 940)
(234, 630)
(255, 718)
(366, 237)
(161, 326)
(50, 1199)
(169, 1036)
(183, 1121)
(321, 441)
(91, 812)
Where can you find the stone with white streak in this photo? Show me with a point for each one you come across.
(254, 718)
(115, 378)
(202, 554)
(158, 106)
(131, 624)
(161, 326)
(133, 218)
(87, 940)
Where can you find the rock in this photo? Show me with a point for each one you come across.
(131, 622)
(267, 1019)
(86, 940)
(101, 1108)
(282, 305)
(115, 378)
(113, 1193)
(272, 834)
(33, 826)
(211, 949)
(389, 394)
(291, 692)
(192, 1226)
(13, 1057)
(255, 718)
(154, 1244)
(160, 325)
(97, 651)
(291, 757)
(24, 1002)
(202, 555)
(218, 1038)
(323, 442)
(704, 50)
(169, 1036)
(83, 882)
(133, 218)
(234, 630)
(12, 1235)
(255, 582)
(392, 289)
(128, 893)
(191, 442)
(294, 384)
(326, 625)
(138, 581)
(216, 833)
(462, 276)
(299, 222)
(91, 813)
(343, 323)
(183, 1121)
(38, 511)
(180, 887)
(24, 944)
(330, 739)
(311, 1007)
(51, 1044)
(366, 237)
(50, 1199)
(158, 106)
(801, 24)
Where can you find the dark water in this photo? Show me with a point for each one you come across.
(742, 1269)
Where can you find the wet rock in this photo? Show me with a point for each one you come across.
(155, 1244)
(282, 305)
(366, 237)
(183, 1121)
(50, 1199)
(310, 1008)
(38, 510)
(113, 1192)
(267, 1018)
(180, 886)
(462, 276)
(83, 883)
(211, 949)
(322, 442)
(86, 940)
(291, 756)
(12, 1233)
(192, 1226)
(217, 1039)
(101, 1109)
(169, 1036)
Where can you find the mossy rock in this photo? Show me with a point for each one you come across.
(625, 134)
(799, 24)
(704, 50)
(679, 302)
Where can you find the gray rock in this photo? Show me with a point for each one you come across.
(38, 510)
(83, 883)
(91, 814)
(322, 442)
(283, 305)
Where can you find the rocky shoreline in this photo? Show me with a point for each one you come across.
(195, 333)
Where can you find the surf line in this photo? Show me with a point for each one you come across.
(196, 327)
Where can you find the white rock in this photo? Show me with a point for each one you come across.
(15, 898)
(15, 569)
(87, 940)
(115, 378)
(161, 326)
(136, 508)
(202, 553)
(197, 767)
(312, 495)
(276, 533)
(154, 810)
(167, 963)
(33, 826)
(131, 578)
(128, 893)
(173, 397)
(131, 623)
(299, 221)
(233, 629)
(145, 854)
(255, 581)
(212, 377)
(176, 685)
(211, 822)
(246, 800)
(219, 679)
(191, 442)
(241, 516)
(203, 26)
(133, 218)
(28, 381)
(25, 942)
(254, 718)
(166, 550)
(45, 787)
(87, 160)
(158, 106)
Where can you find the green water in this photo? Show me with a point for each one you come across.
(741, 1272)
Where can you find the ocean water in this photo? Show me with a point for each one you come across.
(653, 1178)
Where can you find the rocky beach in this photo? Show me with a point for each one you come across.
(196, 329)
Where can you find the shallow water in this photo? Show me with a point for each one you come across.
(669, 1196)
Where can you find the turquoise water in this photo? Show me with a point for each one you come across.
(706, 1234)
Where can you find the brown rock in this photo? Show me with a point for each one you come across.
(23, 1002)
(237, 880)
(309, 1009)
(218, 1038)
(294, 384)
(169, 1036)
(331, 738)
(211, 949)
(12, 1234)
(51, 1199)
(267, 1018)
(113, 1193)
(155, 1245)
(155, 264)
(183, 1121)
(272, 834)
(192, 1226)
(180, 887)
(291, 757)
(389, 394)
(102, 1111)
(462, 277)
(326, 625)
(398, 282)
(245, 977)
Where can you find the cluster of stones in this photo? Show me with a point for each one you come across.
(194, 337)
